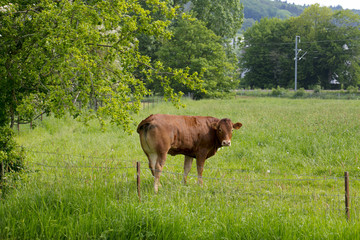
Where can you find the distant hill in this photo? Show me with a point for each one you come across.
(254, 10)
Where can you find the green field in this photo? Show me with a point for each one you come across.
(282, 178)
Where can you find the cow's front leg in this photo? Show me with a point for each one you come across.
(187, 167)
(200, 161)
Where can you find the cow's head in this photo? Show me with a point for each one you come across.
(224, 129)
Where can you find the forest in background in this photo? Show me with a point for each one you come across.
(254, 10)
(327, 51)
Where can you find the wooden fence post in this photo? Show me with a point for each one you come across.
(138, 179)
(347, 196)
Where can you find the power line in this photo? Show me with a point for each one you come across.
(292, 43)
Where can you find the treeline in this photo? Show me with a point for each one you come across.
(329, 55)
(255, 10)
(328, 50)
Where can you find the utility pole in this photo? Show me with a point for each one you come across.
(296, 58)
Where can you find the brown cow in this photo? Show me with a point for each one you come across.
(193, 136)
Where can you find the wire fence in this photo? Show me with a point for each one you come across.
(301, 192)
(111, 160)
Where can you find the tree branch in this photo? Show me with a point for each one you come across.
(27, 122)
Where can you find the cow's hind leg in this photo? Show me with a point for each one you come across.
(187, 167)
(161, 158)
(152, 162)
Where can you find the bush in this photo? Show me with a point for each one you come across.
(352, 89)
(11, 155)
(317, 89)
(300, 93)
(278, 91)
(214, 95)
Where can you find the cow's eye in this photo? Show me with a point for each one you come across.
(220, 130)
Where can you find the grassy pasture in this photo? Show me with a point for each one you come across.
(282, 178)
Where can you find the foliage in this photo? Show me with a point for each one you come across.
(224, 21)
(317, 93)
(265, 60)
(329, 50)
(330, 39)
(277, 92)
(57, 56)
(300, 93)
(198, 48)
(352, 89)
(258, 9)
(317, 89)
(255, 10)
(223, 17)
(11, 156)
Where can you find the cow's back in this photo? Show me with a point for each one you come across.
(176, 134)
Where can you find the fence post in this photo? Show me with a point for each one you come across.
(347, 196)
(138, 179)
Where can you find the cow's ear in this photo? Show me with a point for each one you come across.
(214, 125)
(237, 125)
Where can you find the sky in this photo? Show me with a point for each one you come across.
(346, 4)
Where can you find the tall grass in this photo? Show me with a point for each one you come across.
(280, 179)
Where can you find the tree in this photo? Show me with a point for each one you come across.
(196, 47)
(347, 61)
(228, 18)
(57, 56)
(329, 49)
(265, 58)
(223, 17)
(329, 37)
(11, 155)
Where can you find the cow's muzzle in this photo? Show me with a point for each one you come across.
(226, 143)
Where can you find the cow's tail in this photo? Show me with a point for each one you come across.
(143, 129)
(143, 126)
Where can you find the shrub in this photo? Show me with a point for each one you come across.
(11, 155)
(278, 91)
(300, 93)
(352, 89)
(317, 88)
(214, 95)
